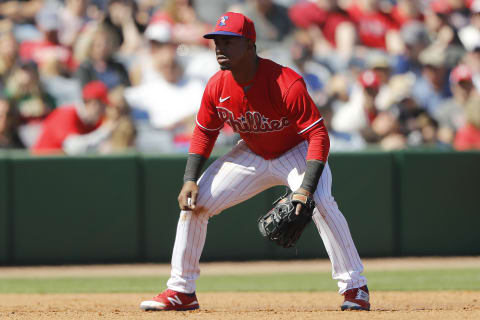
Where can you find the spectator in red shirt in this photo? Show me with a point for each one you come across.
(333, 23)
(49, 48)
(468, 137)
(406, 11)
(375, 28)
(78, 128)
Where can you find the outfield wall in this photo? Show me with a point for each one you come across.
(96, 209)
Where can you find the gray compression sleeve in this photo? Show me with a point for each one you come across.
(194, 165)
(312, 175)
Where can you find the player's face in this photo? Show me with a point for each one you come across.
(231, 51)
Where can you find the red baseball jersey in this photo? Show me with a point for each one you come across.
(272, 113)
(59, 124)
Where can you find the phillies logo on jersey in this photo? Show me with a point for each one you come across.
(251, 121)
(223, 21)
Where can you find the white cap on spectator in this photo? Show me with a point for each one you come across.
(159, 31)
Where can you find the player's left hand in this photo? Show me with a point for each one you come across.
(299, 206)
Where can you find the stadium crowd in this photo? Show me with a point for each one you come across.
(107, 76)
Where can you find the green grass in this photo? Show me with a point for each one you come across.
(455, 279)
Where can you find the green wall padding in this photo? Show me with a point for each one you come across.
(95, 209)
(163, 179)
(440, 199)
(362, 187)
(4, 221)
(75, 209)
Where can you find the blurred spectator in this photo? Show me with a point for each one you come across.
(468, 137)
(121, 20)
(375, 28)
(360, 111)
(160, 49)
(168, 96)
(209, 11)
(341, 141)
(26, 92)
(415, 39)
(124, 132)
(20, 11)
(442, 31)
(331, 27)
(63, 89)
(314, 74)
(389, 73)
(48, 48)
(272, 23)
(164, 92)
(470, 34)
(432, 87)
(362, 116)
(145, 10)
(100, 63)
(8, 55)
(78, 128)
(406, 11)
(198, 62)
(9, 121)
(451, 114)
(187, 28)
(73, 17)
(379, 63)
(423, 131)
(457, 11)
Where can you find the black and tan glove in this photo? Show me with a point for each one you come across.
(281, 224)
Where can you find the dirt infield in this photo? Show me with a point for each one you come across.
(291, 306)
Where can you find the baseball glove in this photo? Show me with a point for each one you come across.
(281, 224)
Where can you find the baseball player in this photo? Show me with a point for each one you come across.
(284, 142)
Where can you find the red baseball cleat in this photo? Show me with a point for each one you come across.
(171, 300)
(356, 299)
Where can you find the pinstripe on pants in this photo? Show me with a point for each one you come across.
(239, 175)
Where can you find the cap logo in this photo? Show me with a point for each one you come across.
(223, 21)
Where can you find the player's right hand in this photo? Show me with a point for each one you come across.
(187, 199)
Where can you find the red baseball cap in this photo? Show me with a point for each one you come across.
(95, 90)
(460, 73)
(369, 79)
(233, 24)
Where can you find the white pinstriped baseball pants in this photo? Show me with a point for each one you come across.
(239, 175)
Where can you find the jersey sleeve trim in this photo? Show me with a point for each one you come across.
(310, 126)
(196, 120)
